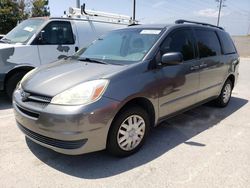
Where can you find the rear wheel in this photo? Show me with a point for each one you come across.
(225, 95)
(12, 82)
(128, 131)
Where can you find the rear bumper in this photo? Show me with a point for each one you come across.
(70, 130)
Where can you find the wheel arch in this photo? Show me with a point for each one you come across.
(16, 70)
(231, 77)
(141, 102)
(144, 103)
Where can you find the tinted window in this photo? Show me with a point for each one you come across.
(208, 43)
(57, 32)
(179, 41)
(227, 43)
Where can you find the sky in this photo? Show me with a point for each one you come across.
(235, 16)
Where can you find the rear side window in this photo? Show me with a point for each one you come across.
(179, 41)
(208, 43)
(227, 43)
(57, 32)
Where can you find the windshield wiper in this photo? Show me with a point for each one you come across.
(5, 40)
(92, 61)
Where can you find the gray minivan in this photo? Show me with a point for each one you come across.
(109, 95)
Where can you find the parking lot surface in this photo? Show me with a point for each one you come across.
(204, 147)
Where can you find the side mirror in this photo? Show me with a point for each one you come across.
(40, 36)
(172, 58)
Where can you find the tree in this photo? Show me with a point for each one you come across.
(9, 15)
(14, 11)
(23, 9)
(40, 8)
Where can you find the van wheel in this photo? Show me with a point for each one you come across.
(225, 95)
(128, 131)
(12, 82)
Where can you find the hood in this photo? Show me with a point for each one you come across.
(7, 45)
(54, 78)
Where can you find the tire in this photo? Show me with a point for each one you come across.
(12, 82)
(122, 130)
(225, 95)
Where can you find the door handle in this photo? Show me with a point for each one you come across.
(194, 67)
(203, 65)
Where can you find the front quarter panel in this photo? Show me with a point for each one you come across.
(137, 81)
(13, 56)
(24, 54)
(17, 56)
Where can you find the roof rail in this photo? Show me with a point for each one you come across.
(100, 16)
(200, 23)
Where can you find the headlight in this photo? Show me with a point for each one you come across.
(28, 74)
(82, 94)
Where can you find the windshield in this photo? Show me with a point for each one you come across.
(24, 31)
(121, 46)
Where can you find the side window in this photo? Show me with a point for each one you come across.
(208, 43)
(57, 32)
(227, 43)
(179, 41)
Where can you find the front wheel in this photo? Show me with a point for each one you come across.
(12, 83)
(225, 95)
(128, 131)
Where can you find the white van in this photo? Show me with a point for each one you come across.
(38, 41)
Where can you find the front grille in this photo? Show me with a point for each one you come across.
(40, 105)
(51, 141)
(28, 112)
(39, 98)
(35, 100)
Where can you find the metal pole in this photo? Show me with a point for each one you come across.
(218, 21)
(248, 31)
(134, 7)
(78, 3)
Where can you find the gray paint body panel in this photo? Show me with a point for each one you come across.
(70, 73)
(169, 89)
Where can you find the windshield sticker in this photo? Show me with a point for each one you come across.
(29, 29)
(150, 32)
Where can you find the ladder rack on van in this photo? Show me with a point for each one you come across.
(100, 16)
(200, 23)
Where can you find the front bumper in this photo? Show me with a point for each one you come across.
(66, 129)
(2, 76)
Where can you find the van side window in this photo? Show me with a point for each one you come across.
(208, 43)
(227, 43)
(57, 32)
(179, 41)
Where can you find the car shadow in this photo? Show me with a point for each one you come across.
(177, 130)
(5, 103)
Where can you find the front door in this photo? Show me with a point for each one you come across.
(56, 41)
(178, 84)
